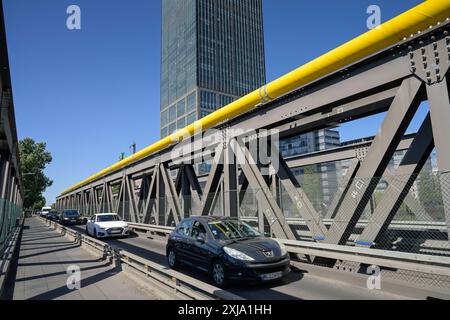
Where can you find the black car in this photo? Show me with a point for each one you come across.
(70, 217)
(52, 215)
(228, 249)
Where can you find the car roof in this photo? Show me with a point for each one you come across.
(105, 214)
(210, 218)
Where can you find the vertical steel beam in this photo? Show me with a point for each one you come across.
(439, 99)
(230, 180)
(161, 199)
(400, 114)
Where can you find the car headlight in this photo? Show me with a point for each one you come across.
(283, 249)
(236, 254)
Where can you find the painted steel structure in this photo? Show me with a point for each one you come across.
(387, 70)
(390, 33)
(11, 191)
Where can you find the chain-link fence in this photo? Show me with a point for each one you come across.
(398, 213)
(9, 213)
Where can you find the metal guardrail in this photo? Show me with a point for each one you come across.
(6, 256)
(409, 225)
(435, 265)
(180, 283)
(429, 264)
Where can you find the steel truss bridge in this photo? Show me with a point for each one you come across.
(395, 80)
(391, 70)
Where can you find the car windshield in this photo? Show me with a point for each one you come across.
(71, 213)
(232, 229)
(108, 218)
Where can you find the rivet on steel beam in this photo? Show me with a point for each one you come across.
(428, 73)
(437, 60)
(429, 80)
(438, 70)
(435, 45)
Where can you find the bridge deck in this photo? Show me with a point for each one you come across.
(41, 272)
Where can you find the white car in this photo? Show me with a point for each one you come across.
(106, 225)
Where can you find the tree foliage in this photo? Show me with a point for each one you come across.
(34, 158)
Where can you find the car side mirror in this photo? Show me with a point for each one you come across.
(201, 239)
(267, 234)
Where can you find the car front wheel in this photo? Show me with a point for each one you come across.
(219, 274)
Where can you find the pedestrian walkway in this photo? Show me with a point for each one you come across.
(42, 270)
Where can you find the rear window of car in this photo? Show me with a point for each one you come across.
(108, 218)
(71, 213)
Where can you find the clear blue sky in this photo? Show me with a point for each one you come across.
(90, 93)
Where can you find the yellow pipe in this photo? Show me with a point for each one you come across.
(416, 19)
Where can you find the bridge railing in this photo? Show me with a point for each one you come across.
(423, 271)
(9, 215)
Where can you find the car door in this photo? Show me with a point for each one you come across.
(182, 241)
(200, 251)
(90, 225)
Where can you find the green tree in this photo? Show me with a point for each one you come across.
(430, 194)
(312, 185)
(34, 158)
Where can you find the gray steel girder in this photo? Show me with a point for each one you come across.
(381, 151)
(398, 189)
(271, 210)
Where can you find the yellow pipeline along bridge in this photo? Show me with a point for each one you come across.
(412, 21)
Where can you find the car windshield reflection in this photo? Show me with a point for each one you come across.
(232, 230)
(108, 218)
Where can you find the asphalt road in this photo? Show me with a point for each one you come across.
(297, 285)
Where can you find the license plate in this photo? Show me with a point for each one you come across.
(73, 220)
(272, 276)
(116, 231)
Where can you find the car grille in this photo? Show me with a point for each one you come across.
(115, 230)
(270, 270)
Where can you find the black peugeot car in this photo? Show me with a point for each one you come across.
(228, 249)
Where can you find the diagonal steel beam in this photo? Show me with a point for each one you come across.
(411, 202)
(400, 114)
(272, 211)
(301, 201)
(346, 184)
(171, 195)
(212, 183)
(396, 192)
(150, 200)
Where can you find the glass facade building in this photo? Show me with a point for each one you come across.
(212, 53)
